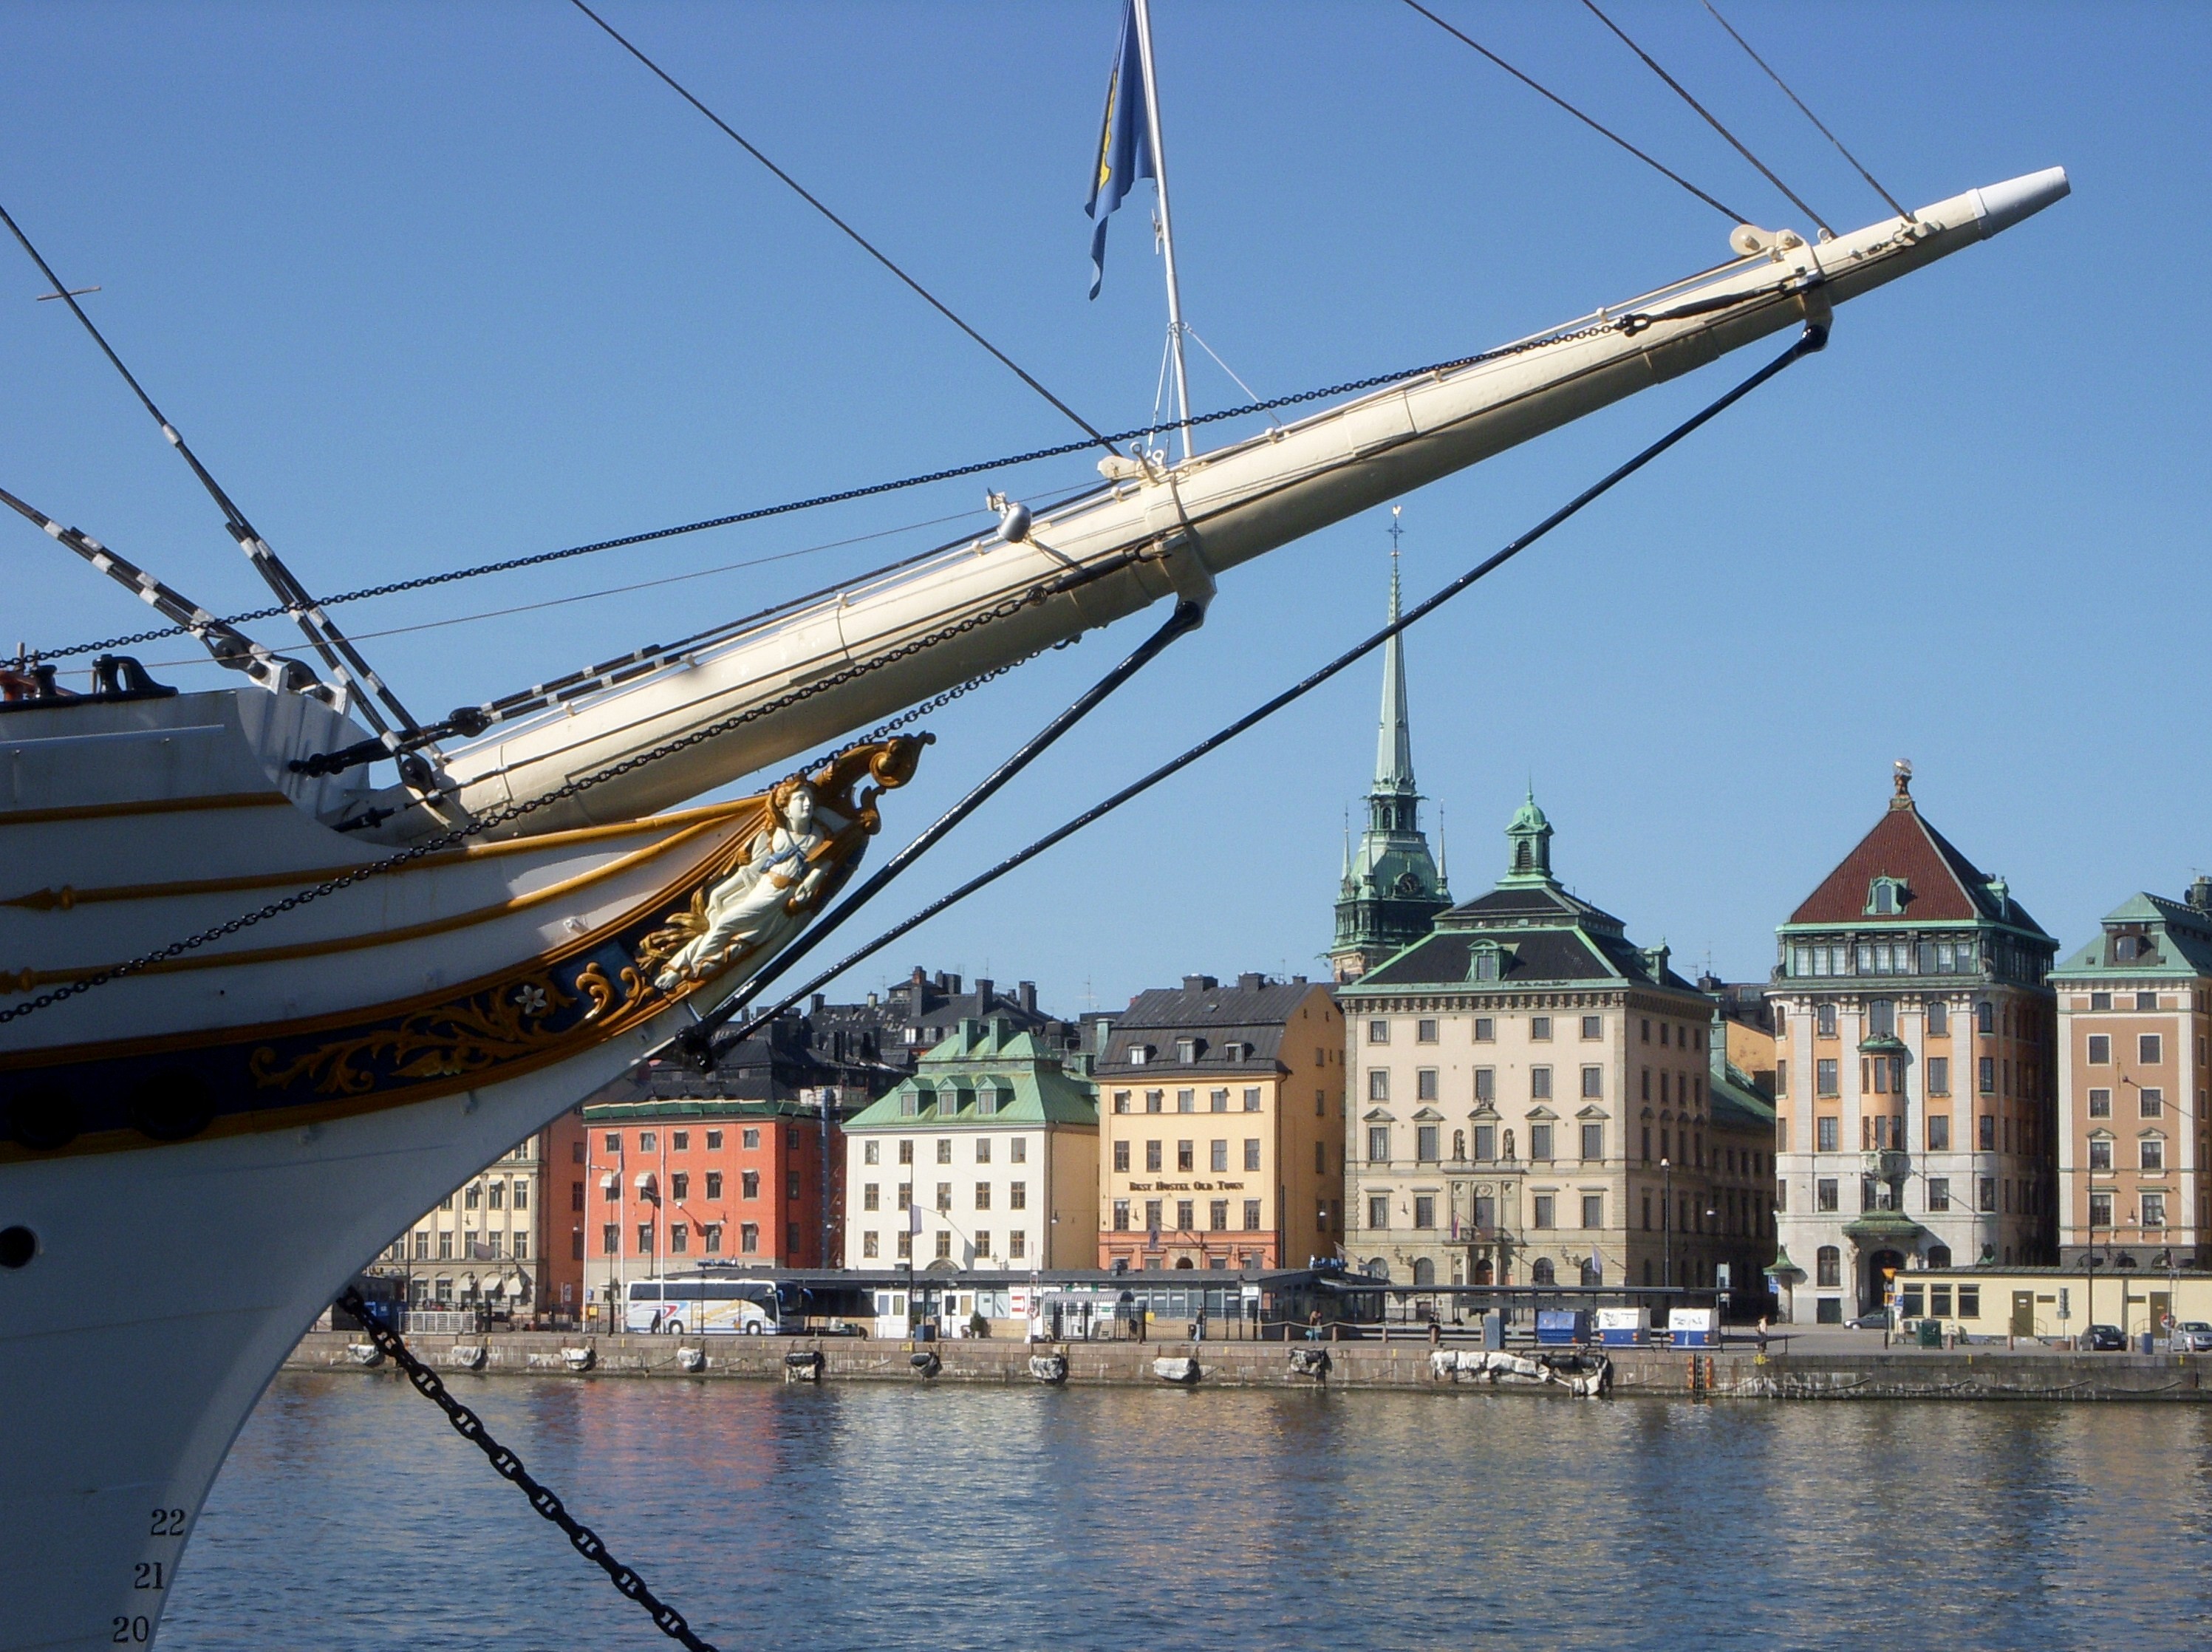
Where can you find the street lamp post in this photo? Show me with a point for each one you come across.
(1667, 1220)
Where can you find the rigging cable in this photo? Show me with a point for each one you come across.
(1728, 212)
(340, 656)
(1902, 212)
(860, 240)
(1564, 334)
(1682, 91)
(693, 1039)
(1814, 337)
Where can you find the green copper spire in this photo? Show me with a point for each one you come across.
(1391, 888)
(1529, 838)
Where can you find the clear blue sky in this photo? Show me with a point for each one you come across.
(427, 285)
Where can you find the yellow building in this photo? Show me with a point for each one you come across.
(2053, 1304)
(1221, 1126)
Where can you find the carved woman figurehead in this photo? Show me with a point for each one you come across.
(793, 803)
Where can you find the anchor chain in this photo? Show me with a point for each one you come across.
(466, 1424)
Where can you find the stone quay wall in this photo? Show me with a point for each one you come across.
(1731, 1373)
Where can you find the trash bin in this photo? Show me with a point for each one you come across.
(1493, 1332)
(1562, 1328)
(1931, 1333)
(2143, 1343)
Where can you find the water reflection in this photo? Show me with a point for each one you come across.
(894, 1515)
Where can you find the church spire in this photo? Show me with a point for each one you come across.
(1393, 745)
(1392, 889)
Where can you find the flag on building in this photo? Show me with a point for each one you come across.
(1125, 140)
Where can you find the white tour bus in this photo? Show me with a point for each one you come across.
(697, 1304)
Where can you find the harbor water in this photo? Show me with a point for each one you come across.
(884, 1515)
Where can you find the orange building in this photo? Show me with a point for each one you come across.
(1221, 1126)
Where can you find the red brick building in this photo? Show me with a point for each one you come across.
(636, 1188)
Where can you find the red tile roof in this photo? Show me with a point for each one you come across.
(1941, 885)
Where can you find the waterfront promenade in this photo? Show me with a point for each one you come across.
(1735, 1371)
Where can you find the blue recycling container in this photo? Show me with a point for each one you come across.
(1562, 1328)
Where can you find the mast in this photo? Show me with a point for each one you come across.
(1167, 228)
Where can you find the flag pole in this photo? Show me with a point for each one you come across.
(1167, 230)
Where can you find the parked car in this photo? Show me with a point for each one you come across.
(2105, 1340)
(2191, 1337)
(1877, 1321)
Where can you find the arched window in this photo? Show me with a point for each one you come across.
(1378, 1268)
(1828, 1266)
(1425, 1271)
(1542, 1273)
(1939, 1255)
(1593, 1274)
(1483, 1274)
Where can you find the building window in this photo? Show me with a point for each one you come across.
(1986, 1075)
(870, 1246)
(1186, 1215)
(2150, 1103)
(1425, 1032)
(1828, 1267)
(1540, 1027)
(613, 1142)
(1425, 1209)
(715, 1181)
(1020, 1151)
(1017, 1244)
(1122, 1156)
(1151, 1215)
(1593, 1026)
(749, 1184)
(983, 1241)
(1824, 1076)
(679, 1238)
(1378, 1032)
(944, 1247)
(1378, 1143)
(1378, 1084)
(2153, 1148)
(1485, 963)
(1939, 1193)
(1120, 1216)
(1251, 1216)
(905, 1152)
(609, 1241)
(1824, 1195)
(1121, 1101)
(871, 1197)
(1186, 1156)
(1939, 1132)
(1824, 1020)
(1592, 1210)
(982, 1196)
(2149, 1050)
(1152, 1154)
(1989, 1193)
(679, 1185)
(1485, 1143)
(1321, 1157)
(982, 1149)
(945, 1196)
(1378, 1210)
(1251, 1153)
(1540, 1083)
(1485, 1084)
(945, 1149)
(2100, 1103)
(1539, 1142)
(1252, 1100)
(1593, 1141)
(1425, 1086)
(1155, 1100)
(1938, 1075)
(2100, 1209)
(1017, 1196)
(1826, 1132)
(1424, 1147)
(645, 1238)
(710, 1237)
(1592, 1083)
(1217, 1155)
(1546, 1207)
(1216, 1215)
(1486, 1029)
(2154, 1210)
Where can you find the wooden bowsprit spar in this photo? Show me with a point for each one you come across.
(699, 1044)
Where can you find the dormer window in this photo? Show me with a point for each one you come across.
(1483, 964)
(1139, 1054)
(1185, 1051)
(1885, 897)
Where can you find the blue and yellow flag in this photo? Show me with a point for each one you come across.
(1125, 142)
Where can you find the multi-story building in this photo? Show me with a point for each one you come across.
(986, 1158)
(1391, 889)
(889, 1032)
(1533, 1099)
(1221, 1126)
(1915, 1071)
(670, 1182)
(483, 1245)
(2134, 1020)
(1739, 1215)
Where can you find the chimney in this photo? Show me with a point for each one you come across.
(945, 983)
(2200, 893)
(969, 1029)
(983, 986)
(815, 1004)
(1025, 994)
(871, 1001)
(1199, 983)
(1250, 981)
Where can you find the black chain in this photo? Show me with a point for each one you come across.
(1628, 323)
(466, 1424)
(1001, 610)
